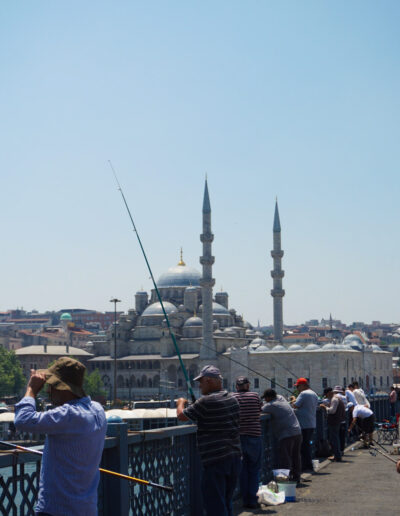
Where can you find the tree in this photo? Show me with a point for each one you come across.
(93, 385)
(12, 378)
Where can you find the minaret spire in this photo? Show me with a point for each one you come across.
(207, 352)
(277, 274)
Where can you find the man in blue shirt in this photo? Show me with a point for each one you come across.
(75, 430)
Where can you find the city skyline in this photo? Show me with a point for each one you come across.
(295, 101)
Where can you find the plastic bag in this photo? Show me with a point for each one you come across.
(268, 497)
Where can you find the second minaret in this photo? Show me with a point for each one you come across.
(277, 274)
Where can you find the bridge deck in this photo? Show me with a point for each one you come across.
(362, 485)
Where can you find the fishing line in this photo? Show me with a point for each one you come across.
(172, 335)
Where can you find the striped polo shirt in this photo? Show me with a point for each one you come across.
(217, 418)
(250, 409)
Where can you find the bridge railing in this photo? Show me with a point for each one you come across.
(166, 456)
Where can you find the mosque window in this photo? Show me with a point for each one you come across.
(344, 381)
(381, 381)
(290, 383)
(374, 380)
(387, 380)
(273, 383)
(324, 383)
(180, 382)
(256, 383)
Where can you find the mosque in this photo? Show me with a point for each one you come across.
(208, 330)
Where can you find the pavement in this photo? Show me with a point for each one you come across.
(360, 485)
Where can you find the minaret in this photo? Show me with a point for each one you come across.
(207, 352)
(277, 274)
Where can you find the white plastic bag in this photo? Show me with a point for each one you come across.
(268, 497)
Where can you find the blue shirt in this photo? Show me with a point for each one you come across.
(306, 408)
(69, 475)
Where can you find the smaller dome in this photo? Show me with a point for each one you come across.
(247, 325)
(279, 347)
(156, 309)
(329, 347)
(66, 317)
(193, 321)
(311, 347)
(260, 349)
(295, 347)
(257, 342)
(375, 347)
(217, 309)
(191, 289)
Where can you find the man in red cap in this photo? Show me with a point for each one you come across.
(306, 408)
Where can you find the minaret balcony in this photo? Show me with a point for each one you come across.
(206, 237)
(277, 253)
(277, 292)
(277, 274)
(207, 282)
(207, 260)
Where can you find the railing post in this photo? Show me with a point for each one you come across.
(116, 500)
(195, 471)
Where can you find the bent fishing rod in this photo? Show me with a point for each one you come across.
(147, 483)
(172, 335)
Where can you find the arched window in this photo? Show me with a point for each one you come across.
(144, 381)
(120, 381)
(156, 381)
(150, 382)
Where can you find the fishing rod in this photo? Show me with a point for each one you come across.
(102, 470)
(375, 451)
(172, 335)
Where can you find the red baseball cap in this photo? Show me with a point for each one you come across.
(301, 381)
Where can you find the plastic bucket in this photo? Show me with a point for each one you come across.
(289, 488)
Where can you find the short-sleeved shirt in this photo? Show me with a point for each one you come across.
(362, 412)
(217, 418)
(284, 422)
(250, 408)
(306, 408)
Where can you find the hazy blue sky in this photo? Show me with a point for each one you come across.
(294, 99)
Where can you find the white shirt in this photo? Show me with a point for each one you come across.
(350, 398)
(362, 412)
(360, 397)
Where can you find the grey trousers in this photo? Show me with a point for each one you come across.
(290, 455)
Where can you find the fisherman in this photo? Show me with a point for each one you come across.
(250, 440)
(217, 417)
(360, 396)
(286, 429)
(364, 418)
(392, 401)
(306, 409)
(75, 430)
(336, 415)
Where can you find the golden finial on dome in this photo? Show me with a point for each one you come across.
(181, 262)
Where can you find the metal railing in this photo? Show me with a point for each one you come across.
(165, 455)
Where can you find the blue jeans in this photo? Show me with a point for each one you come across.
(334, 439)
(250, 470)
(218, 484)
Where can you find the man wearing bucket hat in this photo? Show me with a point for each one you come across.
(216, 414)
(306, 409)
(336, 415)
(75, 431)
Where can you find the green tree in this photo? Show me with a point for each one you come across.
(93, 385)
(12, 378)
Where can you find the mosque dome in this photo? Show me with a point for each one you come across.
(247, 325)
(257, 342)
(329, 347)
(375, 347)
(156, 309)
(217, 309)
(295, 347)
(260, 349)
(354, 341)
(179, 276)
(66, 317)
(193, 321)
(279, 347)
(311, 347)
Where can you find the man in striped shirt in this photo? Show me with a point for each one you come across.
(216, 414)
(250, 439)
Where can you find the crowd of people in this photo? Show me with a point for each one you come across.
(229, 437)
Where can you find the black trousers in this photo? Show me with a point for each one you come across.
(290, 455)
(306, 450)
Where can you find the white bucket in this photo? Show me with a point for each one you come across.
(289, 488)
(315, 464)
